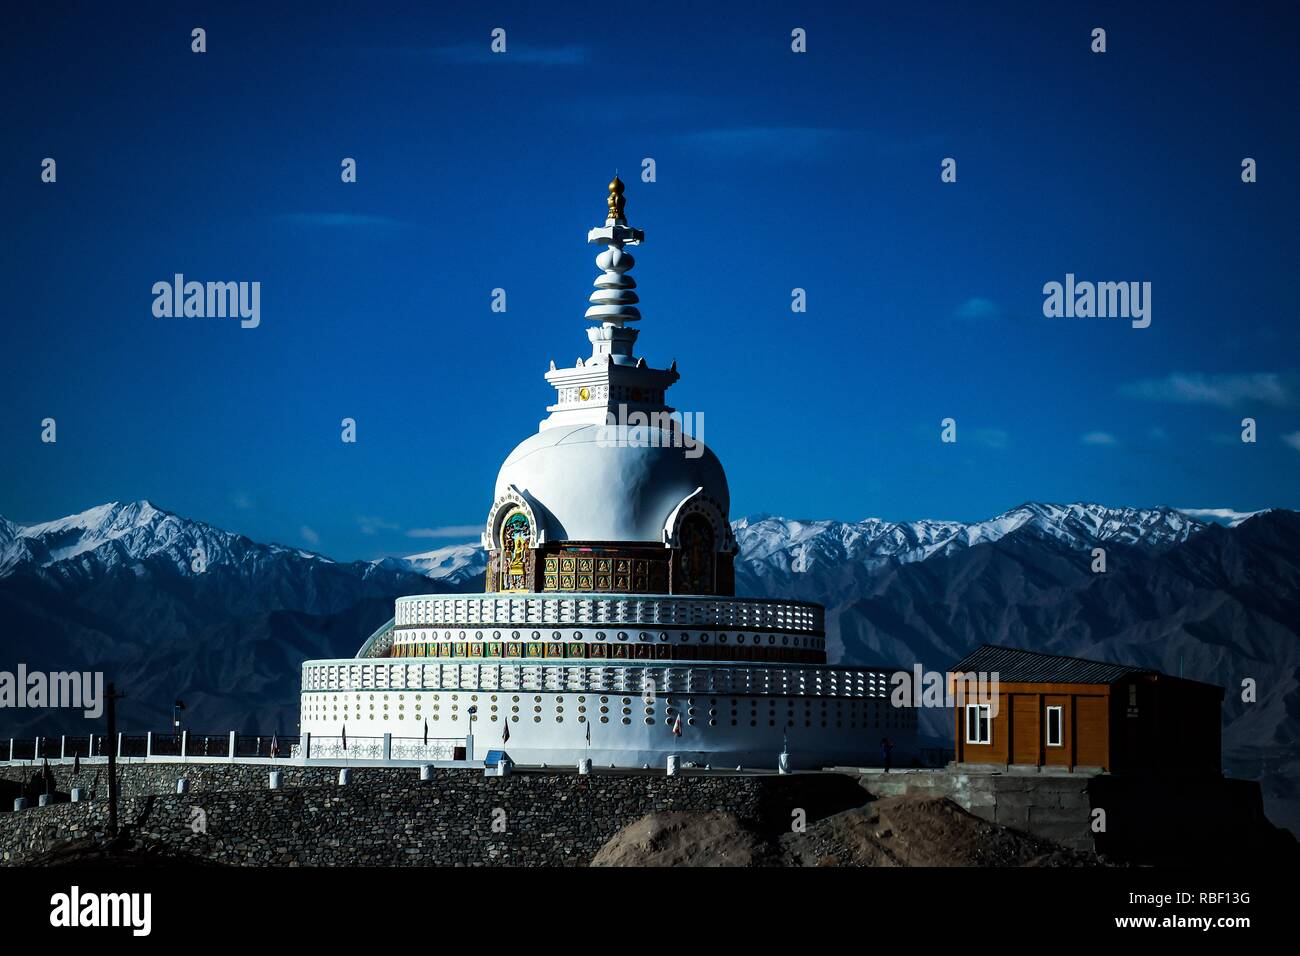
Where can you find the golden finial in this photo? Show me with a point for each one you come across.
(616, 202)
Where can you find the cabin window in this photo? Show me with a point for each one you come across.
(978, 724)
(1055, 723)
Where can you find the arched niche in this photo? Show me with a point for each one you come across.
(511, 535)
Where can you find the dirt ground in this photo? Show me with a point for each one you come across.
(681, 838)
(895, 831)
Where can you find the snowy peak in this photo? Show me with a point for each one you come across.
(873, 541)
(14, 548)
(1226, 516)
(1084, 524)
(454, 564)
(68, 537)
(843, 541)
(119, 533)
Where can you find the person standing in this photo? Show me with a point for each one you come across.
(886, 752)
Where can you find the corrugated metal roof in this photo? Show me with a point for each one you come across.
(1017, 666)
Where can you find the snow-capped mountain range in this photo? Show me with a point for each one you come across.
(118, 533)
(454, 564)
(872, 542)
(115, 588)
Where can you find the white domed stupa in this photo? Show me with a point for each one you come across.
(586, 487)
(609, 630)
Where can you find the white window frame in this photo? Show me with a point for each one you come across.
(988, 724)
(1060, 726)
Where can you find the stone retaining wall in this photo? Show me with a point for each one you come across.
(1146, 819)
(387, 816)
(1055, 808)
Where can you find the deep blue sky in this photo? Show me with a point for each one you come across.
(775, 170)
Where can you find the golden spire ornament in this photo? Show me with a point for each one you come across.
(616, 202)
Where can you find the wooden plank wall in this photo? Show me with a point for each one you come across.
(1019, 733)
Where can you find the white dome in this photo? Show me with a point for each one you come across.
(586, 489)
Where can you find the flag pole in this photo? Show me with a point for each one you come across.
(110, 705)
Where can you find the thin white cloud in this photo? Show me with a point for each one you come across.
(448, 531)
(978, 309)
(771, 142)
(1099, 438)
(642, 105)
(1224, 390)
(793, 142)
(481, 53)
(1292, 439)
(372, 526)
(1221, 515)
(309, 535)
(989, 437)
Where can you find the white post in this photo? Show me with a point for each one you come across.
(426, 771)
(148, 744)
(388, 746)
(90, 747)
(345, 776)
(45, 799)
(306, 746)
(36, 754)
(469, 746)
(232, 745)
(119, 745)
(11, 750)
(182, 785)
(20, 803)
(672, 765)
(63, 746)
(584, 766)
(185, 740)
(277, 779)
(78, 795)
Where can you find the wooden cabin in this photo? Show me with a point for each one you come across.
(1068, 712)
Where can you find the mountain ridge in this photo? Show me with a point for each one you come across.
(114, 588)
(137, 529)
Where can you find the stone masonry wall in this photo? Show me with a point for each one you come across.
(1147, 819)
(387, 816)
(1056, 808)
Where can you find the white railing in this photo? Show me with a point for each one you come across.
(488, 610)
(358, 748)
(126, 748)
(443, 748)
(419, 640)
(668, 678)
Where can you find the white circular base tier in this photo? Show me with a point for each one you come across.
(619, 714)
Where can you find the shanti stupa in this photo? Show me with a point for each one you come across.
(609, 630)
